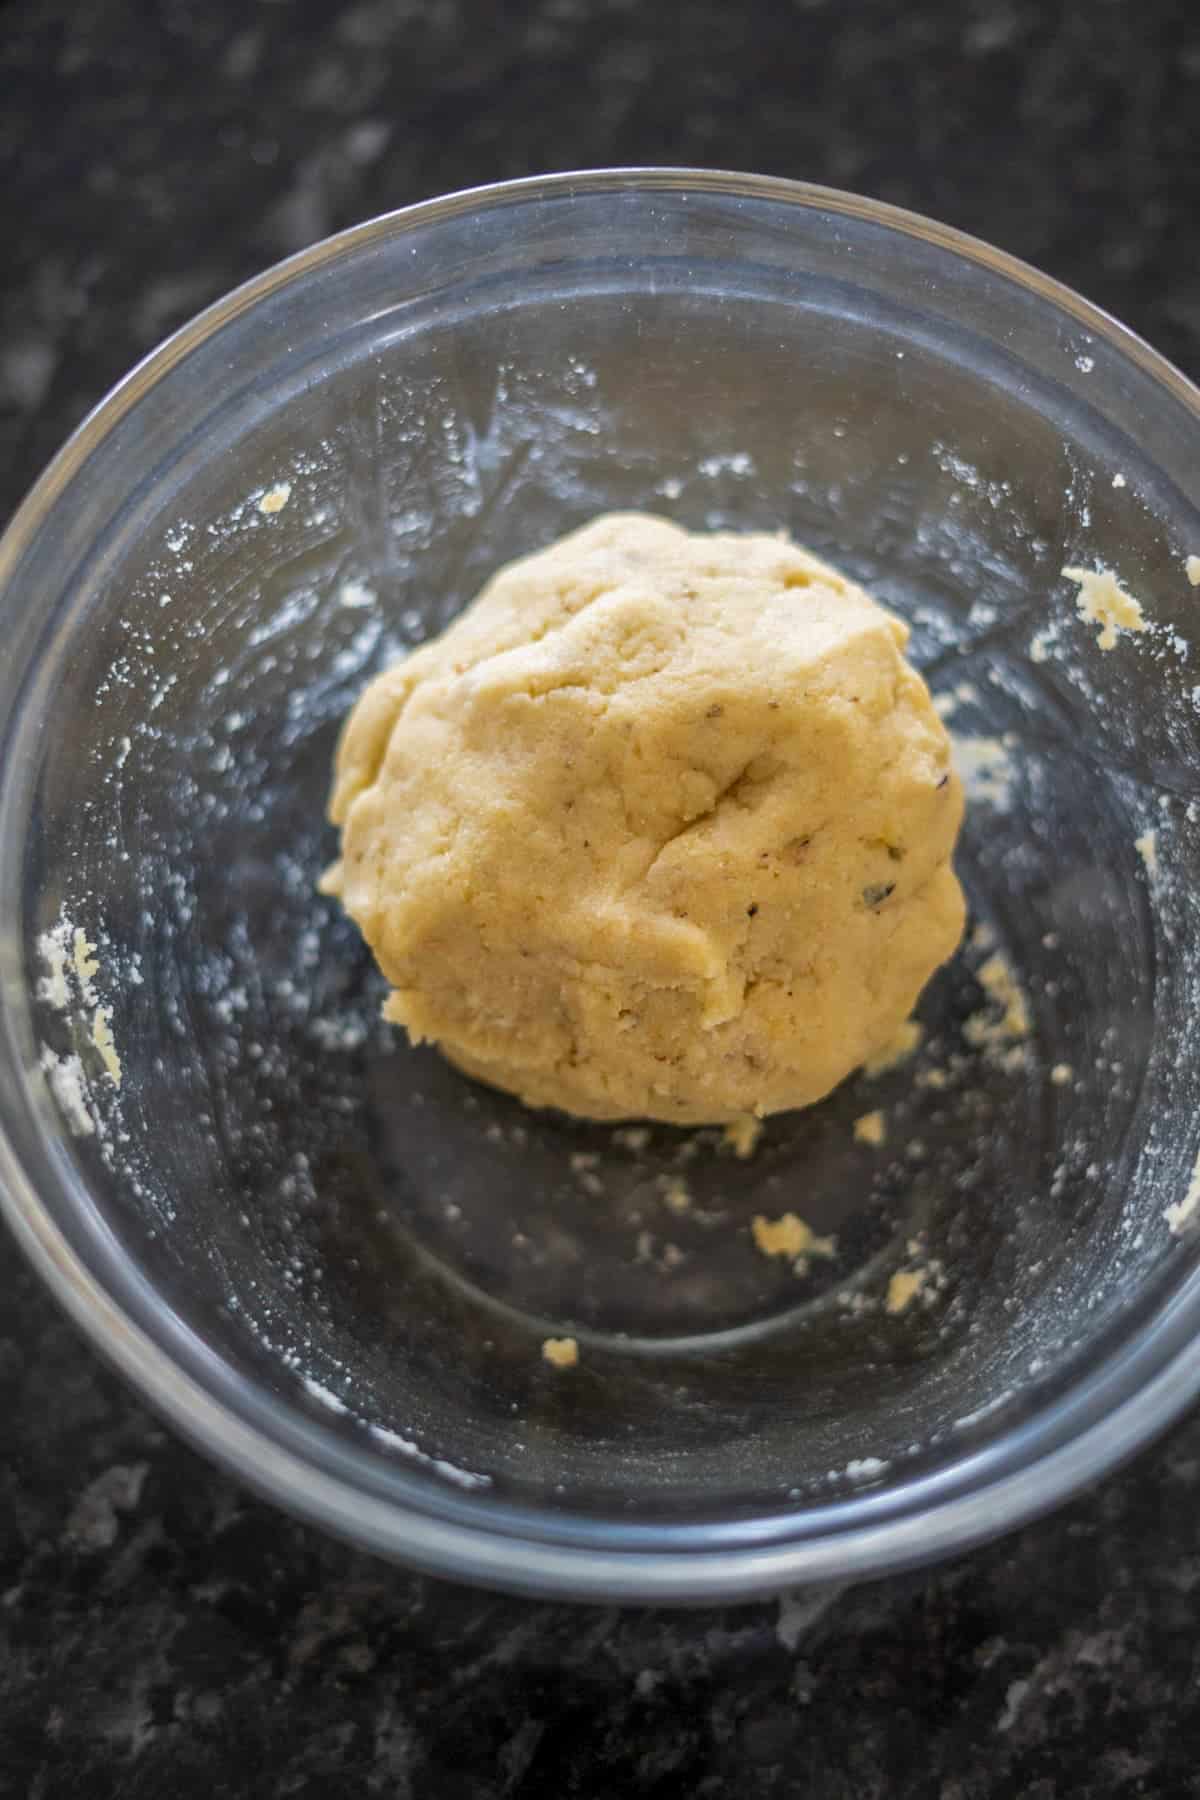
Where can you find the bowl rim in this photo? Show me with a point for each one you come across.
(1130, 1394)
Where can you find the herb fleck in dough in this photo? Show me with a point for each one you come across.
(660, 827)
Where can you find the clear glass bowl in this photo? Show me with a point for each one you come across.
(329, 1258)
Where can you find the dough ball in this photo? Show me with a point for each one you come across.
(660, 827)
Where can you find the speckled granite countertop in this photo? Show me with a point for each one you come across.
(164, 1635)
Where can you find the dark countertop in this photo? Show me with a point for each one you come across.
(161, 1633)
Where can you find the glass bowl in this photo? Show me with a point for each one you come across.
(330, 1259)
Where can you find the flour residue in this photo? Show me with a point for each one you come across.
(72, 965)
(986, 768)
(392, 1440)
(1042, 643)
(356, 595)
(1007, 1018)
(735, 462)
(53, 987)
(866, 1468)
(316, 1390)
(68, 1084)
(789, 1236)
(947, 703)
(1183, 1212)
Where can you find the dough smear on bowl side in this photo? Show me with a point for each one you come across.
(660, 827)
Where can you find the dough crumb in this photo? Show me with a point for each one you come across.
(591, 1183)
(1193, 570)
(72, 964)
(676, 1197)
(791, 1236)
(1118, 481)
(923, 1282)
(1103, 601)
(276, 498)
(856, 1304)
(633, 1138)
(1185, 1210)
(903, 1289)
(711, 751)
(1147, 848)
(1004, 990)
(561, 1353)
(102, 1037)
(742, 1136)
(898, 1051)
(871, 1129)
(1062, 1074)
(86, 965)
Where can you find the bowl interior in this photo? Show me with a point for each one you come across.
(349, 1226)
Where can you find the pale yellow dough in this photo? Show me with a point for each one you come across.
(660, 827)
